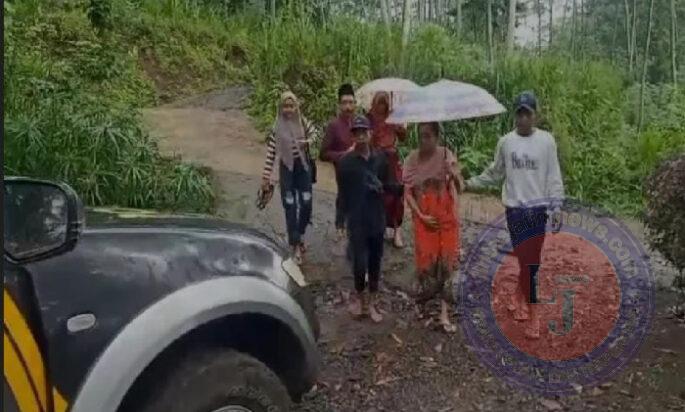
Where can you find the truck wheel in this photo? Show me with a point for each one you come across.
(220, 380)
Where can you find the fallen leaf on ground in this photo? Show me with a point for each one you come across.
(606, 385)
(387, 380)
(668, 351)
(397, 339)
(596, 392)
(438, 347)
(551, 405)
(427, 359)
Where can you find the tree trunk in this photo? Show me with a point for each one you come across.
(272, 5)
(406, 26)
(459, 18)
(538, 6)
(674, 40)
(629, 37)
(583, 31)
(633, 39)
(645, 64)
(615, 32)
(573, 30)
(551, 24)
(491, 51)
(385, 12)
(511, 25)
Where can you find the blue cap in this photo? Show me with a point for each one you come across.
(526, 100)
(360, 122)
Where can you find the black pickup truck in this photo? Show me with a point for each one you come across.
(120, 310)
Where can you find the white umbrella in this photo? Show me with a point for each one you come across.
(396, 87)
(445, 100)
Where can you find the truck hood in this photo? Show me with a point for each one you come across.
(122, 218)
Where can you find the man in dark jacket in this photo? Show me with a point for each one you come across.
(338, 142)
(362, 179)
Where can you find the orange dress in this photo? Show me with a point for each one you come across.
(436, 250)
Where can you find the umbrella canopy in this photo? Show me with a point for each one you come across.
(445, 100)
(396, 87)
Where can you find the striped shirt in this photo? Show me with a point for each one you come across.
(311, 136)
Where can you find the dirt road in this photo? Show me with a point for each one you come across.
(402, 364)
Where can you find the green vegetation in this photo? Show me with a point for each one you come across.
(78, 71)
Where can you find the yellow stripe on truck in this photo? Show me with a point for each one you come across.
(27, 345)
(30, 353)
(18, 380)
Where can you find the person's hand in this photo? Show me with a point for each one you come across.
(266, 185)
(430, 221)
(459, 184)
(350, 149)
(556, 220)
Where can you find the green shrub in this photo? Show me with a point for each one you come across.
(70, 98)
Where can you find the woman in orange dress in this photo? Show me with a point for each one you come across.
(432, 181)
(384, 137)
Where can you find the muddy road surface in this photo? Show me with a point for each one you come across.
(405, 363)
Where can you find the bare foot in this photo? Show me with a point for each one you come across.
(445, 322)
(375, 315)
(397, 241)
(448, 327)
(355, 307)
(297, 253)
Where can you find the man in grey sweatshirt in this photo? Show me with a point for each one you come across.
(526, 159)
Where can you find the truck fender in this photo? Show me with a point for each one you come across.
(171, 317)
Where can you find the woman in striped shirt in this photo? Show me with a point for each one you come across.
(288, 147)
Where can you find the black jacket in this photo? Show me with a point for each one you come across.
(361, 183)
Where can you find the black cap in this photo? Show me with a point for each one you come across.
(360, 122)
(345, 90)
(526, 100)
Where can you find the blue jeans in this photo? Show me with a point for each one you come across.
(296, 195)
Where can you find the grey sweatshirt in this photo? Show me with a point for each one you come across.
(530, 168)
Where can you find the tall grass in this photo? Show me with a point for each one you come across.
(70, 98)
